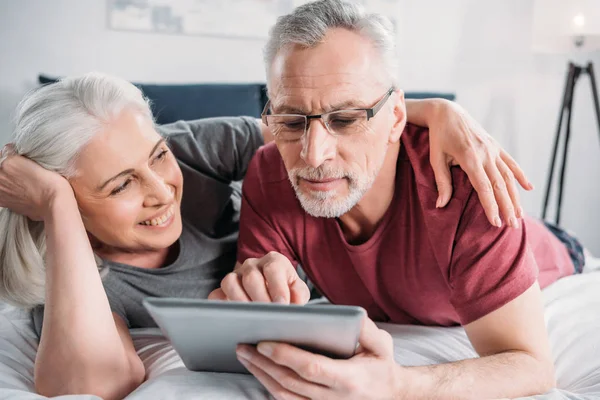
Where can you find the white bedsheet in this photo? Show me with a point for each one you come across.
(572, 316)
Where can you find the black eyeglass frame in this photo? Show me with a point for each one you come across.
(371, 112)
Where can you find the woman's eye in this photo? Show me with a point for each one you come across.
(121, 188)
(161, 155)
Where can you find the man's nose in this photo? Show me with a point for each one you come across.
(318, 144)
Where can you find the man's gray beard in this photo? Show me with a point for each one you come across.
(323, 204)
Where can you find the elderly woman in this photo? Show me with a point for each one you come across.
(95, 216)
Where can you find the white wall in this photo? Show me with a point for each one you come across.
(63, 37)
(479, 49)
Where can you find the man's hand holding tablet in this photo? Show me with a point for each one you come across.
(288, 372)
(291, 372)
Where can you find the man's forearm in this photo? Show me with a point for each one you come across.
(506, 375)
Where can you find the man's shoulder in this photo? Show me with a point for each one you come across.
(267, 169)
(415, 151)
(414, 166)
(266, 183)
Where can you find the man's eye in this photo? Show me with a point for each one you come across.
(120, 188)
(343, 121)
(299, 125)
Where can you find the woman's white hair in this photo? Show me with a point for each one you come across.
(52, 125)
(307, 26)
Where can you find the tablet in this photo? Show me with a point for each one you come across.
(205, 333)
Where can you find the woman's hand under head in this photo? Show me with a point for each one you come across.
(28, 189)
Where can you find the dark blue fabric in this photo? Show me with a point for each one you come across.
(188, 102)
(573, 245)
(171, 103)
(429, 95)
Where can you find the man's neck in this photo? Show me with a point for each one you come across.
(359, 224)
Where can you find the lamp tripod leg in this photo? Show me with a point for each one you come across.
(590, 71)
(569, 83)
(577, 73)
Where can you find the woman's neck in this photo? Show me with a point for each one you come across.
(151, 259)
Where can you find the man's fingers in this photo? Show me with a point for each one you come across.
(276, 390)
(312, 368)
(282, 374)
(516, 170)
(232, 287)
(482, 185)
(443, 179)
(277, 278)
(299, 292)
(374, 340)
(254, 284)
(511, 185)
(217, 294)
(271, 278)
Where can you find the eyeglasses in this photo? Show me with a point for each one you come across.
(292, 127)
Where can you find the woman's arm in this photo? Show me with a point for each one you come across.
(83, 348)
(221, 147)
(457, 139)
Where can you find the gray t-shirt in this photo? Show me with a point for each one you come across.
(213, 155)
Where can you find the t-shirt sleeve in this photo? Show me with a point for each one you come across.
(490, 266)
(219, 147)
(117, 306)
(37, 317)
(258, 235)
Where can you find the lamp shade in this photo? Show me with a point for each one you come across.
(561, 26)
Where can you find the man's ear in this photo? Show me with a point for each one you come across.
(399, 116)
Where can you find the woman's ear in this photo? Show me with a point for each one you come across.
(399, 117)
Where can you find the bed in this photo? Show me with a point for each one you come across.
(572, 311)
(572, 305)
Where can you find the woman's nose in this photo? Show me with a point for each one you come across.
(160, 192)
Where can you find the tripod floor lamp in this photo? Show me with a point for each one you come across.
(567, 26)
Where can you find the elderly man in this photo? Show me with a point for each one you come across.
(348, 193)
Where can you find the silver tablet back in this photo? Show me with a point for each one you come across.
(205, 333)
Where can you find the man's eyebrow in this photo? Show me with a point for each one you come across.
(129, 171)
(345, 105)
(285, 109)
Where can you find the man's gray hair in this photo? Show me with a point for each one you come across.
(307, 25)
(53, 124)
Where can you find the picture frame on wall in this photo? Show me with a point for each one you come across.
(247, 19)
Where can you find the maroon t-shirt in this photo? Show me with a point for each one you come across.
(422, 265)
